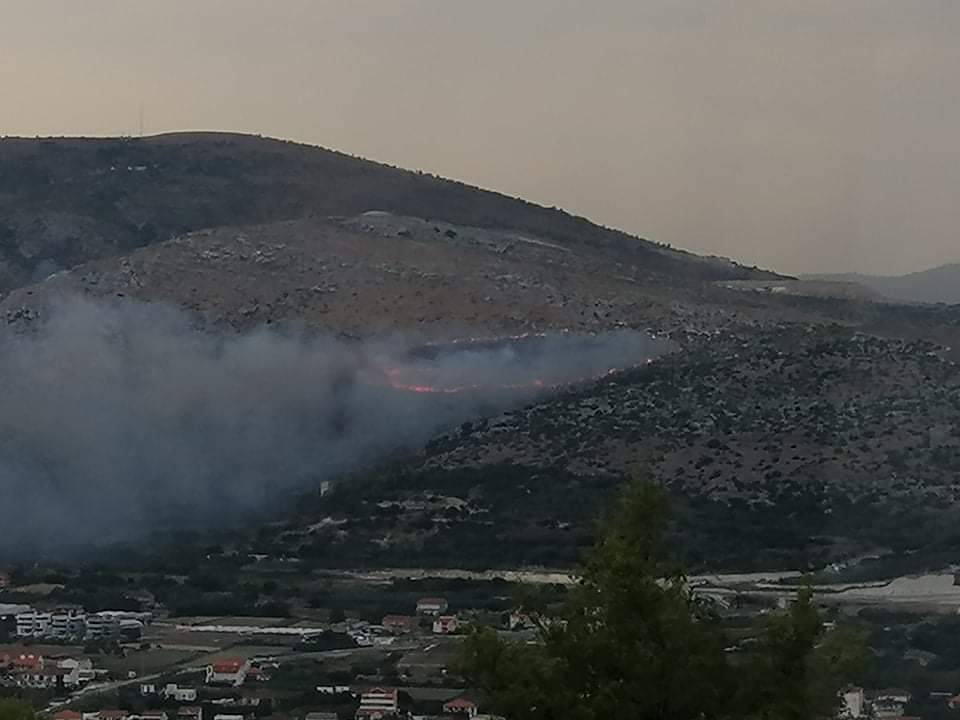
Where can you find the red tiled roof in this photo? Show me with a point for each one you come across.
(68, 715)
(26, 661)
(460, 703)
(228, 665)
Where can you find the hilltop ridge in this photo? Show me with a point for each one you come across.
(66, 201)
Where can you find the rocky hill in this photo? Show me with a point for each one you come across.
(785, 446)
(67, 201)
(795, 427)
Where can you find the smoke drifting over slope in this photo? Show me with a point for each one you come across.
(118, 419)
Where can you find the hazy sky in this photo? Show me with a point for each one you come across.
(808, 135)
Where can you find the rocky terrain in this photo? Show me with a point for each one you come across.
(65, 201)
(792, 447)
(796, 427)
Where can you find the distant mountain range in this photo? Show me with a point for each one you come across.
(937, 285)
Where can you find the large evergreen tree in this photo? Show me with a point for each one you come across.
(632, 640)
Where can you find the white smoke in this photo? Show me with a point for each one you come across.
(120, 418)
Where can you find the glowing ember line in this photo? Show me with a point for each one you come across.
(433, 374)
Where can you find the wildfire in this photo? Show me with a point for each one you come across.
(536, 384)
(396, 381)
(533, 363)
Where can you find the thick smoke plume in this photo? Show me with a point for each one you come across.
(120, 418)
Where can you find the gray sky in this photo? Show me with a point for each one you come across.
(813, 135)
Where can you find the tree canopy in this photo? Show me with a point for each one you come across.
(632, 639)
(11, 709)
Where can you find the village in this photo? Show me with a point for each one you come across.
(327, 664)
(146, 665)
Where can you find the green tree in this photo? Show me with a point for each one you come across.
(797, 667)
(632, 640)
(11, 709)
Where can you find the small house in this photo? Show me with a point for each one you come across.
(445, 624)
(398, 624)
(460, 706)
(228, 671)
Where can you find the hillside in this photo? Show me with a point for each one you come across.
(370, 274)
(796, 426)
(789, 446)
(378, 273)
(936, 285)
(67, 201)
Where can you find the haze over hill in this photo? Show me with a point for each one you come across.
(936, 285)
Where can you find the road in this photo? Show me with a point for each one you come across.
(94, 689)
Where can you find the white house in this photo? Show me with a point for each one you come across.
(228, 671)
(853, 703)
(520, 620)
(76, 672)
(333, 689)
(41, 679)
(378, 703)
(445, 624)
(174, 692)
